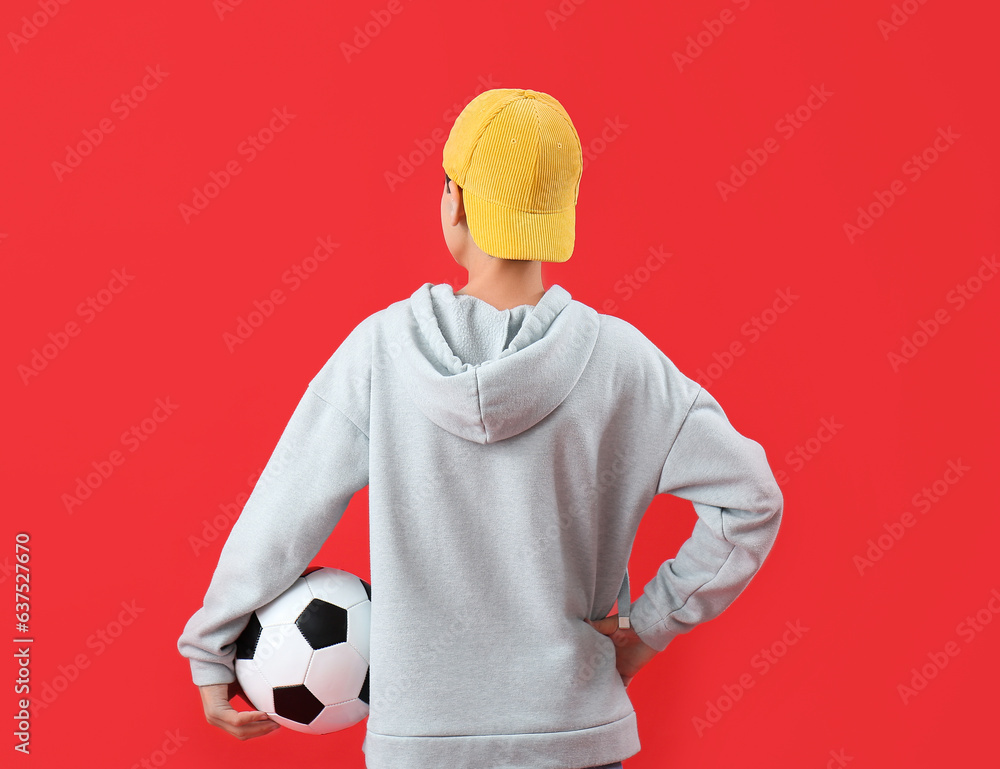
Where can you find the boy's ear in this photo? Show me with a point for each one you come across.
(456, 205)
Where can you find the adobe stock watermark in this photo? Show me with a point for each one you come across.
(87, 310)
(363, 36)
(131, 439)
(284, 456)
(927, 329)
(250, 147)
(427, 146)
(762, 662)
(786, 126)
(222, 7)
(540, 546)
(294, 277)
(30, 25)
(838, 759)
(599, 144)
(914, 169)
(713, 29)
(797, 458)
(753, 330)
(99, 642)
(211, 530)
(901, 13)
(271, 642)
(173, 740)
(121, 107)
(559, 14)
(454, 632)
(6, 569)
(924, 500)
(546, 537)
(968, 630)
(636, 278)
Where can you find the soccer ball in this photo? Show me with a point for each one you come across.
(303, 658)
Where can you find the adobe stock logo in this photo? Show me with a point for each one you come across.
(427, 146)
(212, 529)
(122, 107)
(763, 661)
(454, 632)
(294, 277)
(380, 19)
(59, 340)
(914, 169)
(251, 147)
(713, 29)
(899, 16)
(923, 501)
(753, 329)
(222, 7)
(31, 25)
(959, 297)
(786, 126)
(637, 278)
(968, 630)
(803, 453)
(597, 146)
(563, 11)
(100, 640)
(172, 742)
(101, 470)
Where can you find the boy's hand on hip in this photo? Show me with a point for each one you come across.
(242, 724)
(631, 653)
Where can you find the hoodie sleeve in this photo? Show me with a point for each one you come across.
(738, 503)
(320, 461)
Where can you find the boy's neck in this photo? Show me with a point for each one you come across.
(505, 283)
(502, 300)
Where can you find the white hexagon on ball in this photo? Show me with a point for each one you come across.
(255, 686)
(282, 655)
(286, 607)
(339, 716)
(336, 674)
(337, 587)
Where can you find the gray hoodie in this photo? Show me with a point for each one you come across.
(509, 457)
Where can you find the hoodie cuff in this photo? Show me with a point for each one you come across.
(651, 630)
(209, 673)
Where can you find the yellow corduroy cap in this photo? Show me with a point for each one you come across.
(517, 157)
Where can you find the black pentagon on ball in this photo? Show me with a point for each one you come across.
(364, 689)
(322, 624)
(296, 703)
(246, 642)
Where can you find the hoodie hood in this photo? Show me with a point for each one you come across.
(485, 374)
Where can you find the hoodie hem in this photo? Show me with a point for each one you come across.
(572, 749)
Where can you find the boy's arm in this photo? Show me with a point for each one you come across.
(319, 463)
(738, 502)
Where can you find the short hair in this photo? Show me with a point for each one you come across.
(446, 180)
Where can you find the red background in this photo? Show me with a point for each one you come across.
(654, 184)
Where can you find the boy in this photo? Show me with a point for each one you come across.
(511, 439)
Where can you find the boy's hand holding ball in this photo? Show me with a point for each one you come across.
(242, 724)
